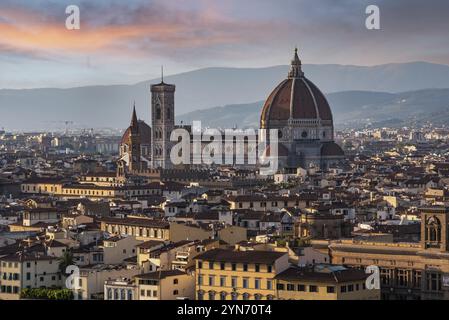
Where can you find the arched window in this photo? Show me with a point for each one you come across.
(433, 232)
(168, 113)
(175, 281)
(211, 295)
(175, 292)
(158, 113)
(222, 295)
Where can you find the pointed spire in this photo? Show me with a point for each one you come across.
(134, 124)
(295, 67)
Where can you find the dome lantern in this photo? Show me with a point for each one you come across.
(295, 67)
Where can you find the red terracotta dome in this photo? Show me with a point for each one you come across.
(144, 131)
(296, 98)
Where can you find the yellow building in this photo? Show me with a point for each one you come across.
(165, 285)
(324, 282)
(262, 203)
(238, 275)
(142, 228)
(21, 270)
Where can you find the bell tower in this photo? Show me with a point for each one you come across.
(134, 143)
(163, 123)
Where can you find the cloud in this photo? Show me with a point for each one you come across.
(131, 35)
(127, 30)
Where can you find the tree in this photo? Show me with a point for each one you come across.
(65, 261)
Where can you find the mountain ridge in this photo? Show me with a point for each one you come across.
(111, 105)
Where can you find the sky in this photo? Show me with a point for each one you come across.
(124, 42)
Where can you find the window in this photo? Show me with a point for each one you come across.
(269, 268)
(200, 295)
(301, 287)
(256, 283)
(175, 292)
(234, 267)
(245, 283)
(222, 281)
(313, 288)
(222, 266)
(245, 267)
(211, 295)
(280, 286)
(416, 279)
(433, 281)
(330, 289)
(257, 268)
(234, 282)
(350, 288)
(343, 289)
(175, 281)
(200, 279)
(222, 295)
(200, 265)
(290, 287)
(402, 278)
(269, 284)
(211, 280)
(142, 293)
(211, 265)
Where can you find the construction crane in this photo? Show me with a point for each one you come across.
(65, 122)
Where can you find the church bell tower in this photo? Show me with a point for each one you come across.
(134, 147)
(163, 123)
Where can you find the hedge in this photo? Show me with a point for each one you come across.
(46, 294)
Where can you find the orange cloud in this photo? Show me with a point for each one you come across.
(23, 31)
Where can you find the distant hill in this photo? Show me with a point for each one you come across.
(110, 106)
(350, 108)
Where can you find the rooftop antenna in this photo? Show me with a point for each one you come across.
(162, 74)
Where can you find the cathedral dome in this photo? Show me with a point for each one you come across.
(297, 98)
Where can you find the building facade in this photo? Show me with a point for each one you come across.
(408, 271)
